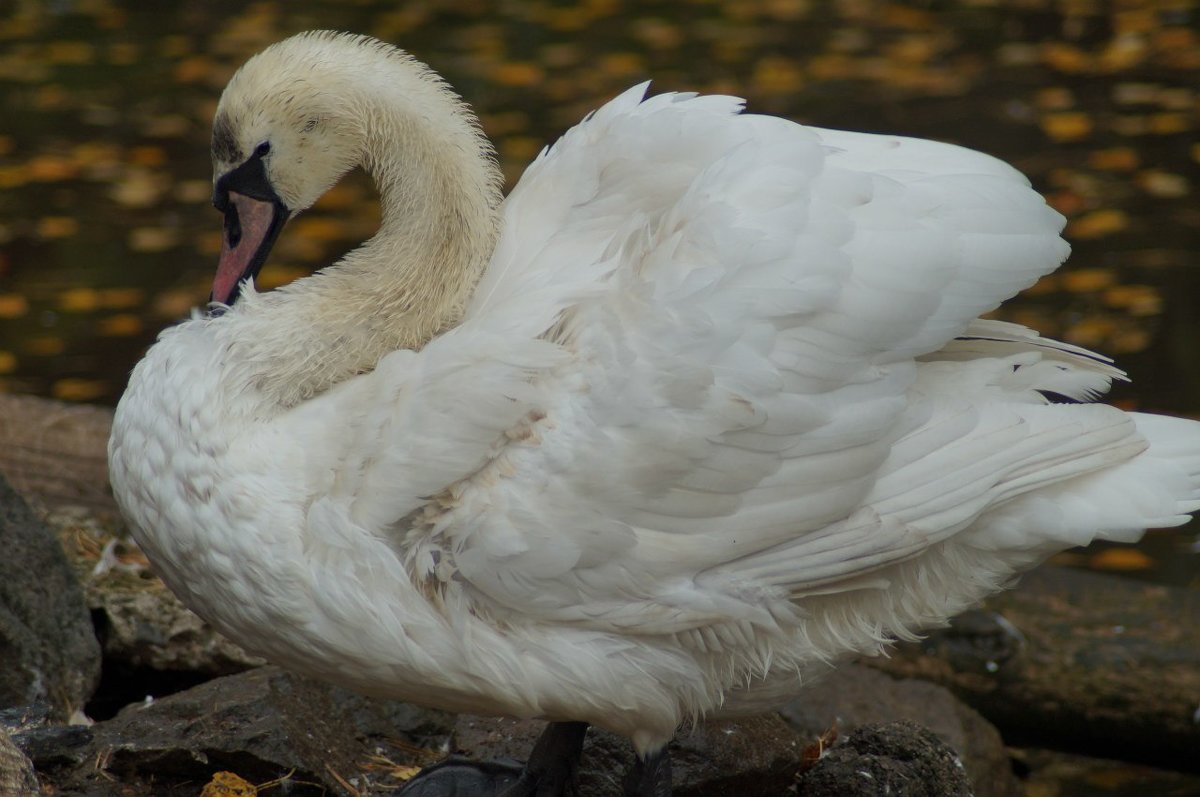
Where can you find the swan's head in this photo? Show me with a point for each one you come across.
(288, 126)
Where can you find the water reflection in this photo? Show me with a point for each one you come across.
(106, 234)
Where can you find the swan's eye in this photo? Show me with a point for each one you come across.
(262, 149)
(310, 126)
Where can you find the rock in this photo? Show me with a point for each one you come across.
(759, 755)
(855, 696)
(17, 778)
(48, 650)
(48, 745)
(55, 453)
(260, 725)
(1076, 661)
(153, 645)
(897, 759)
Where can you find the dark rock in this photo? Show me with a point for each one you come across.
(261, 725)
(897, 759)
(1078, 661)
(17, 778)
(141, 624)
(855, 696)
(48, 744)
(54, 453)
(48, 650)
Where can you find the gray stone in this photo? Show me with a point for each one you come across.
(1077, 661)
(897, 759)
(48, 650)
(261, 725)
(855, 696)
(17, 778)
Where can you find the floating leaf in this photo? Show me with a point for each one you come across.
(121, 325)
(79, 389)
(79, 300)
(51, 168)
(518, 73)
(1097, 224)
(121, 298)
(1066, 125)
(8, 362)
(1087, 280)
(57, 227)
(13, 305)
(1121, 559)
(1114, 159)
(152, 239)
(1163, 184)
(45, 346)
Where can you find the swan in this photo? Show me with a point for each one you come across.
(702, 407)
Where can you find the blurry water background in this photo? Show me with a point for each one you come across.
(106, 233)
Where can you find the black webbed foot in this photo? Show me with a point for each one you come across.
(552, 771)
(460, 777)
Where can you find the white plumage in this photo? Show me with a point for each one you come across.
(719, 411)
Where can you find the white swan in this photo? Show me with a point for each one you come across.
(702, 406)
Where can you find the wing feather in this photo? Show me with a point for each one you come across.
(713, 368)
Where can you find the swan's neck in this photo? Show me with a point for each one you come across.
(439, 189)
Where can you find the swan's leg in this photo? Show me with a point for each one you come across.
(650, 776)
(553, 766)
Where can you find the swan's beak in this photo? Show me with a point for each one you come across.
(251, 227)
(254, 215)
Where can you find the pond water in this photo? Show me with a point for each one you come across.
(106, 233)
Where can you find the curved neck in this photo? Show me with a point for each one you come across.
(439, 188)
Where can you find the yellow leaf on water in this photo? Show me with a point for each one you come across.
(147, 156)
(13, 305)
(1168, 123)
(50, 168)
(121, 325)
(67, 52)
(1087, 280)
(1097, 224)
(152, 239)
(1138, 300)
(275, 275)
(1121, 559)
(121, 298)
(1163, 184)
(57, 227)
(1114, 159)
(79, 389)
(1066, 125)
(79, 300)
(8, 362)
(518, 73)
(1065, 57)
(45, 346)
(317, 228)
(777, 75)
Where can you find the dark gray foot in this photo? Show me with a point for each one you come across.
(552, 771)
(650, 776)
(460, 777)
(553, 766)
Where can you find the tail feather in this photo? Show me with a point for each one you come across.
(1158, 488)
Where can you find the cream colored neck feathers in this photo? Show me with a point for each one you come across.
(329, 102)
